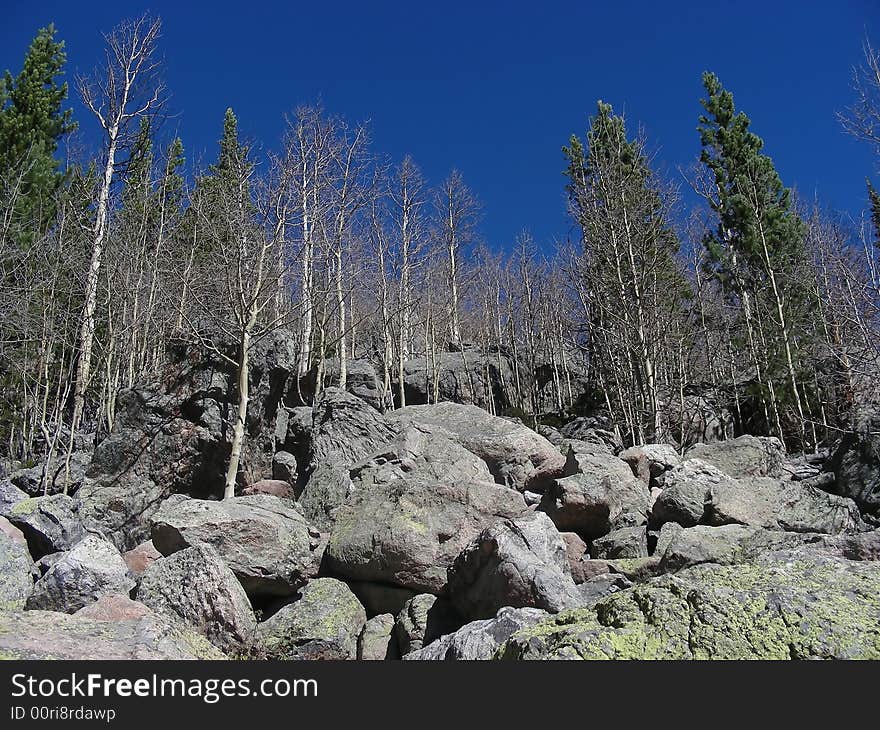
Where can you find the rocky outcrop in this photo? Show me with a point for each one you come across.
(323, 623)
(267, 543)
(161, 444)
(91, 569)
(785, 606)
(516, 456)
(51, 635)
(515, 562)
(458, 377)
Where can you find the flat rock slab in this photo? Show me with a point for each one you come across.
(51, 635)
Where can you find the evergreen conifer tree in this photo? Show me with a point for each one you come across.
(32, 123)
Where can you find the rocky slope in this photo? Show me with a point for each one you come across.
(432, 532)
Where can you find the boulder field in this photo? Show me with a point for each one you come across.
(434, 532)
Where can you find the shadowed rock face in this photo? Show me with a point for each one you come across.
(50, 524)
(345, 430)
(784, 606)
(855, 465)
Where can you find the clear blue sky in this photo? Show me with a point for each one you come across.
(495, 89)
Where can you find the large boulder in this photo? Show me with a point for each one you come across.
(52, 635)
(776, 505)
(784, 606)
(50, 524)
(726, 545)
(114, 607)
(377, 641)
(686, 491)
(698, 493)
(744, 456)
(196, 586)
(855, 465)
(593, 430)
(140, 558)
(345, 430)
(324, 623)
(515, 562)
(10, 495)
(91, 569)
(649, 461)
(265, 541)
(361, 380)
(626, 542)
(413, 507)
(16, 581)
(516, 456)
(423, 619)
(598, 493)
(479, 639)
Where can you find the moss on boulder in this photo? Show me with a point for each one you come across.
(790, 605)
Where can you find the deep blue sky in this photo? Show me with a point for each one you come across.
(496, 88)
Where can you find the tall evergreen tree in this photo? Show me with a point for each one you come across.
(756, 251)
(32, 123)
(628, 269)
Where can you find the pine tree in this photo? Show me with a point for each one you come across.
(628, 269)
(224, 192)
(32, 123)
(756, 251)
